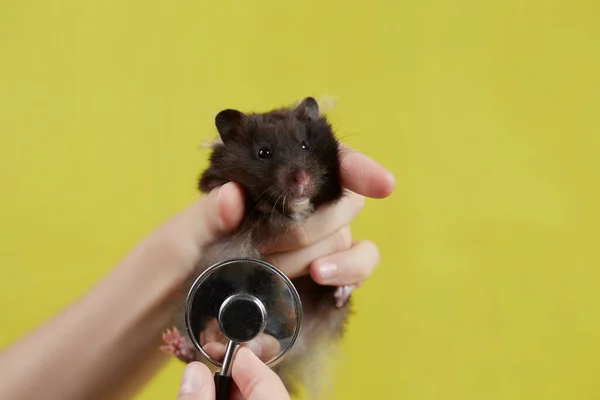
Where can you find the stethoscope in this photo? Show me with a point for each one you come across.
(236, 301)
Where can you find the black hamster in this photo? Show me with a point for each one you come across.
(287, 161)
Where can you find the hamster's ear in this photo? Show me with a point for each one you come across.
(308, 108)
(229, 123)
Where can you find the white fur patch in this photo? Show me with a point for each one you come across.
(301, 206)
(209, 145)
(302, 210)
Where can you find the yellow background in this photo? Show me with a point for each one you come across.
(486, 112)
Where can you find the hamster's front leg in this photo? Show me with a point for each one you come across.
(342, 294)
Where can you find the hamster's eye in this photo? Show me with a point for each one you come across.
(264, 153)
(304, 145)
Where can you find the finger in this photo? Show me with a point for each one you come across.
(222, 212)
(255, 380)
(346, 267)
(321, 224)
(196, 383)
(364, 176)
(296, 263)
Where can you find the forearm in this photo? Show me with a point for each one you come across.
(100, 345)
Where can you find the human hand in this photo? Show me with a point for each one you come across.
(253, 379)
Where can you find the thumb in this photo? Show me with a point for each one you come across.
(255, 380)
(196, 383)
(220, 212)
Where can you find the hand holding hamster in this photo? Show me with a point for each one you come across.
(301, 190)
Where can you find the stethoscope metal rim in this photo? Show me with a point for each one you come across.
(194, 288)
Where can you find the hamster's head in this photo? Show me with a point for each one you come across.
(286, 160)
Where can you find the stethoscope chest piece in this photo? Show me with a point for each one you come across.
(242, 302)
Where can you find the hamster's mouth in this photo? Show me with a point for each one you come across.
(300, 204)
(301, 201)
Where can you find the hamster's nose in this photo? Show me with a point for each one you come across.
(301, 178)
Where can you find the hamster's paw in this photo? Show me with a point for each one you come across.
(177, 345)
(342, 294)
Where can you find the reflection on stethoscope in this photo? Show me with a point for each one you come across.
(242, 302)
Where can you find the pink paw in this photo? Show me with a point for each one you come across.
(177, 345)
(342, 294)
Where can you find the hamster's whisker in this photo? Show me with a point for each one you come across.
(284, 198)
(276, 201)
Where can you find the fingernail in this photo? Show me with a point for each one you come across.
(191, 380)
(327, 270)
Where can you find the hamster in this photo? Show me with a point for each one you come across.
(287, 161)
